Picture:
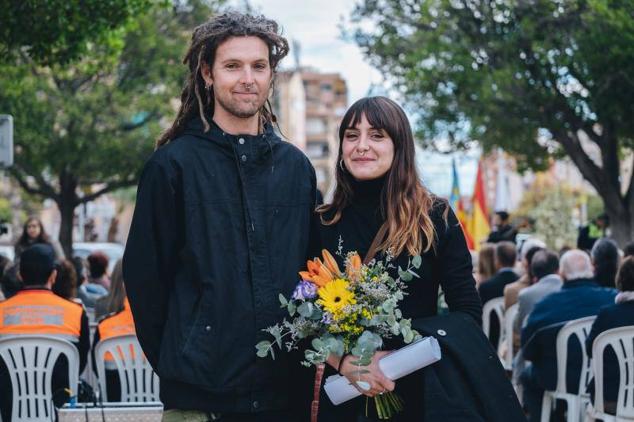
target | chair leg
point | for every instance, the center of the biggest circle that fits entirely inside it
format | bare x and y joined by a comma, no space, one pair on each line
546,407
573,409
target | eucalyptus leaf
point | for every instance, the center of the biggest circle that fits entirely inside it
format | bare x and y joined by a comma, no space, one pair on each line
405,275
417,261
283,300
306,309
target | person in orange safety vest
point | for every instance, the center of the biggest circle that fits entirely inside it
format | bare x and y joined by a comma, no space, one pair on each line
119,322
36,310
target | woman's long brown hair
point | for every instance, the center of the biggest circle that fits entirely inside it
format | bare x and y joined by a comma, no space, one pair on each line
405,203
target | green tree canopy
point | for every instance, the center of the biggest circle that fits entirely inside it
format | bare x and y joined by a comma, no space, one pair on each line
85,129
58,31
537,78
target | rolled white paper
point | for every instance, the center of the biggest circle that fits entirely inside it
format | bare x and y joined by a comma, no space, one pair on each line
395,365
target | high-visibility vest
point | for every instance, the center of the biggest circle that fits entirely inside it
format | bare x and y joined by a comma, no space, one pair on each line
40,312
115,325
119,324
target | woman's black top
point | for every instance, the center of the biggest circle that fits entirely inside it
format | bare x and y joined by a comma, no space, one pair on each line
448,264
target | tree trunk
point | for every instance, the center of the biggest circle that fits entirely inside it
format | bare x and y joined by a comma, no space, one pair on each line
621,226
67,204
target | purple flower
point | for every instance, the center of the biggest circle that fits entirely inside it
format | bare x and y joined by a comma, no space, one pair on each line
326,318
304,290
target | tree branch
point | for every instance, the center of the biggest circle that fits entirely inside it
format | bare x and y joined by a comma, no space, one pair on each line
109,188
19,176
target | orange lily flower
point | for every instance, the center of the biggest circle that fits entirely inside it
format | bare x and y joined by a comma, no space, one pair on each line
353,266
330,263
317,273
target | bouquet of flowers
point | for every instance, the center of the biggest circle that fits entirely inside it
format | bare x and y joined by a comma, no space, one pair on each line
346,312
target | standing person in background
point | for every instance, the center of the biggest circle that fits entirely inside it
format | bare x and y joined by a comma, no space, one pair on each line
221,227
595,230
32,233
502,230
605,260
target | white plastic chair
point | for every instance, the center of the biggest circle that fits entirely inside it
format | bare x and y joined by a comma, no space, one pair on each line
622,342
494,305
575,402
30,361
507,334
138,381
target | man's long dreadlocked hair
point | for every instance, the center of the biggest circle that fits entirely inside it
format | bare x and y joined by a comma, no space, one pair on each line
195,98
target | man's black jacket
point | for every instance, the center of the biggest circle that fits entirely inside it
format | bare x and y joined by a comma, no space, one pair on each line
221,228
468,384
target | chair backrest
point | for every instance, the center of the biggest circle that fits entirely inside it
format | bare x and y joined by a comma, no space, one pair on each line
509,318
579,328
138,381
622,342
30,361
494,305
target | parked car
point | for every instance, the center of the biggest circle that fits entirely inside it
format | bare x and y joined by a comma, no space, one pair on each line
114,251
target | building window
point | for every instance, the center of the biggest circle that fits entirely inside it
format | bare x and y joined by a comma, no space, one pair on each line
315,126
317,149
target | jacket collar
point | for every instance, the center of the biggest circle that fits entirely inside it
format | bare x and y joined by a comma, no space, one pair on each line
579,282
550,278
215,133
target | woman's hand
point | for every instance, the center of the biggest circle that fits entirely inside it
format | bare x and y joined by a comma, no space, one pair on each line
371,374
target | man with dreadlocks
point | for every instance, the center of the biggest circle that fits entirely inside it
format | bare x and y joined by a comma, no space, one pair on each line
222,225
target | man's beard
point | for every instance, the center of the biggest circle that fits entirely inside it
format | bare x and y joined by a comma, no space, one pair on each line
244,112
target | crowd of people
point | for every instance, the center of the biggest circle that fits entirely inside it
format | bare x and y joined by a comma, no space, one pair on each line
43,293
551,288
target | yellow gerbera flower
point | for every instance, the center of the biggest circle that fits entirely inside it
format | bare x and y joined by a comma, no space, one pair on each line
335,295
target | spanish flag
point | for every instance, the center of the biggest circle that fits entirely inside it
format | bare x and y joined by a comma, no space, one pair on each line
456,204
478,225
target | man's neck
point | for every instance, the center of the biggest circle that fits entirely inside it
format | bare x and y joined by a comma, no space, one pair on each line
235,125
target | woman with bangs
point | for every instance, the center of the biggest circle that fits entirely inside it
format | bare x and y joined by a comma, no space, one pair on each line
380,206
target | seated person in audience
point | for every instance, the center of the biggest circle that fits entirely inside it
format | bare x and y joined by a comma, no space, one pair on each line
66,281
544,269
578,297
98,266
512,290
605,259
486,263
36,310
87,292
118,321
494,287
628,250
617,315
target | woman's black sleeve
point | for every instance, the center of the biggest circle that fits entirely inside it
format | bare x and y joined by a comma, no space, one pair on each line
456,268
